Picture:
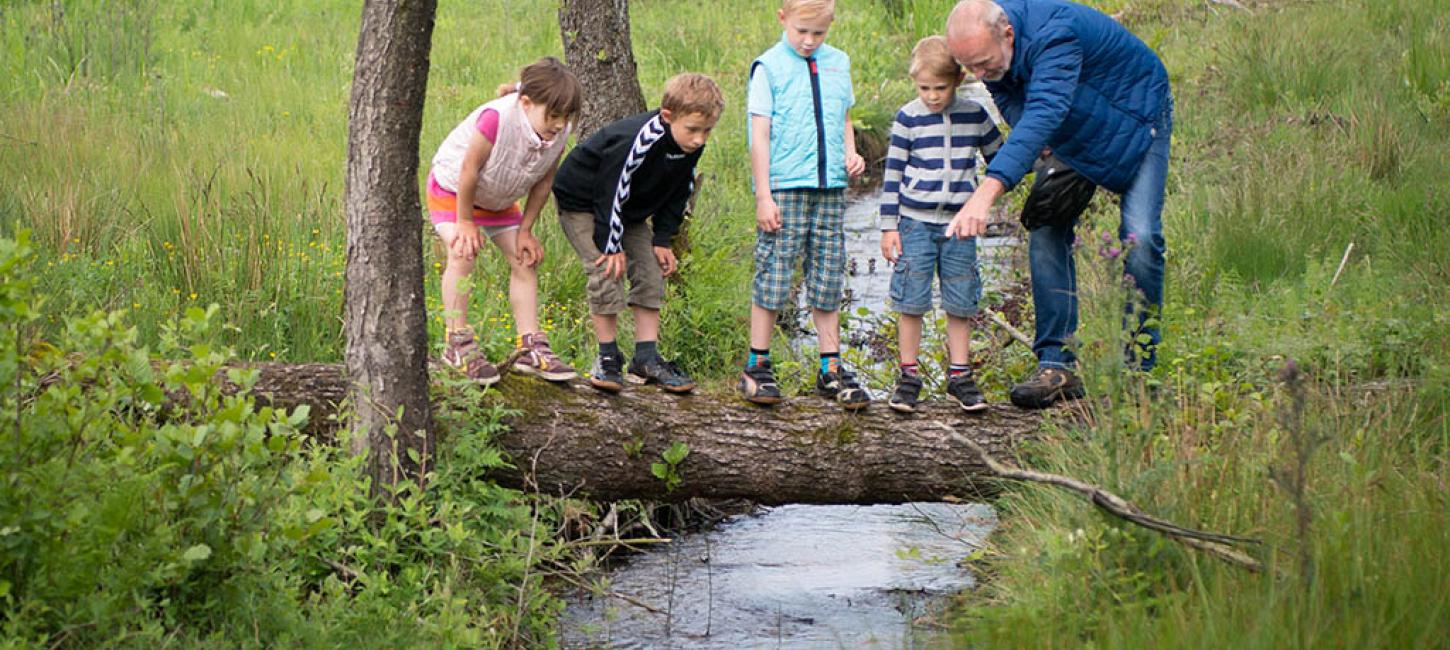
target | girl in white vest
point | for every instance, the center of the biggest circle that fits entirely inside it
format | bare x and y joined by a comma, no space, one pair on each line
503,150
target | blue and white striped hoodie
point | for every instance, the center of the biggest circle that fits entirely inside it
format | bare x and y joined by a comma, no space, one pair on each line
931,165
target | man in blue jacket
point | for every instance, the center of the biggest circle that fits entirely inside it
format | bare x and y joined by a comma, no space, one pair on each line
1069,79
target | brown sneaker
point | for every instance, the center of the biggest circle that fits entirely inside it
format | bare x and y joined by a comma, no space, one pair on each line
540,361
1046,386
462,353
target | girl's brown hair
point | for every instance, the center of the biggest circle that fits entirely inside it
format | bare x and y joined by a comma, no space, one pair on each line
549,82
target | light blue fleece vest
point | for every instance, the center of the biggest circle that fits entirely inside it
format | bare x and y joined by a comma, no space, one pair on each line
808,120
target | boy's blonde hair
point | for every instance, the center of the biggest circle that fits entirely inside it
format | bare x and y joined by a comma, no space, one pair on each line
931,56
808,8
549,82
692,92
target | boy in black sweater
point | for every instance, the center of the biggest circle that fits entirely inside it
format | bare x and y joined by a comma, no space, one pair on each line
621,197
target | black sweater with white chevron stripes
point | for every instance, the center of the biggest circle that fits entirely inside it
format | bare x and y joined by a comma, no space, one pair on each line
588,179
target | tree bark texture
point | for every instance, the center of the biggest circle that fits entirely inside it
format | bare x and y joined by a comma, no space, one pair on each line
571,439
597,48
385,319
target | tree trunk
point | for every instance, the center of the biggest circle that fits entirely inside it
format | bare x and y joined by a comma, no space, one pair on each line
574,440
597,48
385,321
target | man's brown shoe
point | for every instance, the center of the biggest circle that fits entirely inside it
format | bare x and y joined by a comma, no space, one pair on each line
1045,387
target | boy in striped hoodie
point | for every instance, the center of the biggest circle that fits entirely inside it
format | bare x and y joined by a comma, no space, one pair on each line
622,195
931,171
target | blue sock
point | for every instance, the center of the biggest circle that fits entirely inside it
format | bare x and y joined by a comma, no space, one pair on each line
757,356
830,362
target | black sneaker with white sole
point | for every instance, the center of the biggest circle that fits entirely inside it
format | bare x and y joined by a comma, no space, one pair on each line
963,390
908,392
606,375
842,387
757,384
655,370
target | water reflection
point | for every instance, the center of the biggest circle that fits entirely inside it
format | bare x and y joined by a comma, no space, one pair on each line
792,577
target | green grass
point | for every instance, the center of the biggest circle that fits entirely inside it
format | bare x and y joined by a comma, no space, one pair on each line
1287,150
167,156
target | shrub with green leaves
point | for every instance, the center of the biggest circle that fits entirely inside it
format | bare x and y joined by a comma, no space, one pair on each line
139,502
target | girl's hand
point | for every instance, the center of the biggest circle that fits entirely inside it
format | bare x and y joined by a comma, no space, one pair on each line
666,259
529,252
767,214
891,245
467,241
855,164
614,265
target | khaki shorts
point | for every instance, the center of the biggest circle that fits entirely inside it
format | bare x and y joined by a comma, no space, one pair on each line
606,296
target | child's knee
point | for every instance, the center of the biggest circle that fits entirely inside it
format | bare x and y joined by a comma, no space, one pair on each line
460,262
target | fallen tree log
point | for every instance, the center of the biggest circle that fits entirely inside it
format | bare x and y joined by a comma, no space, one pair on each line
571,439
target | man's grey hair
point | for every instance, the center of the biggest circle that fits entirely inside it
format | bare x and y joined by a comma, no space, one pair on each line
968,14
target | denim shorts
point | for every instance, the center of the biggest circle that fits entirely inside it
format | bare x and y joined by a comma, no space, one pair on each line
926,253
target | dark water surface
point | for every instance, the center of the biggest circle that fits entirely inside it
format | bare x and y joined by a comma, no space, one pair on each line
792,577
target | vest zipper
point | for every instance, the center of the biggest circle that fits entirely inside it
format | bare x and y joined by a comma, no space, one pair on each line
820,122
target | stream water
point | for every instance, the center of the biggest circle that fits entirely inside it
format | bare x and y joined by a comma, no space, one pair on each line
801,576
791,577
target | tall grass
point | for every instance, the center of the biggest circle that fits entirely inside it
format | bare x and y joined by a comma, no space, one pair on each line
171,155
1302,128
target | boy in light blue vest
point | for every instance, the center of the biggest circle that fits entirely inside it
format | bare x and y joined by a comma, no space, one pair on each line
802,149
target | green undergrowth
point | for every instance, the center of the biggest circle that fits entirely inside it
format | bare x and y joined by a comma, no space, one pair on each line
1305,219
140,507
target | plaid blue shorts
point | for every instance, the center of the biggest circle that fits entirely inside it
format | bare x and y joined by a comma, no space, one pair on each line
812,226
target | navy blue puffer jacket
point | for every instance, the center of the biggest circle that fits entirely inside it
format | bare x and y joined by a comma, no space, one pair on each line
1082,84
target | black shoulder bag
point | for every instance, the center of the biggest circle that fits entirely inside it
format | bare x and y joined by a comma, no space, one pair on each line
1058,195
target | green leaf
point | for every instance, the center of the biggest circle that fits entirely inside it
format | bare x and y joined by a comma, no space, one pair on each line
197,553
298,417
676,453
660,470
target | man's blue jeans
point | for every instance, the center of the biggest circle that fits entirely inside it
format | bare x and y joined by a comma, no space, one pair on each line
1054,275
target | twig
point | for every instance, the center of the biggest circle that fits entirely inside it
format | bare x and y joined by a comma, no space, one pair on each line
7,136
346,571
1215,544
1015,333
617,542
1342,261
505,366
612,594
1230,3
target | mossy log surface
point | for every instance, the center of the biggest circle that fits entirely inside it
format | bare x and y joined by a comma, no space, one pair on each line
571,439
